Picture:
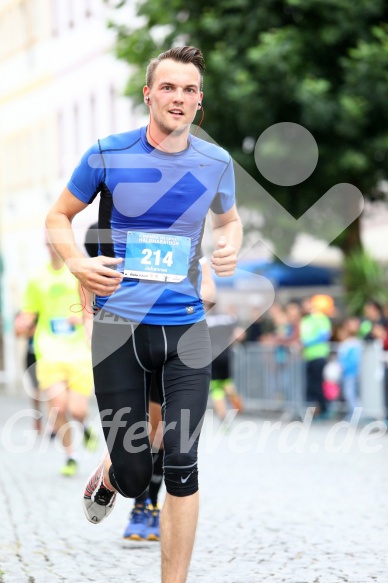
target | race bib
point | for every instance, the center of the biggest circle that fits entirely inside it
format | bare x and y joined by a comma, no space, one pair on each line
61,326
156,257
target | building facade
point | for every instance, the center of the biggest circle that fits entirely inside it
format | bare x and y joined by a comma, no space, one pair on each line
61,89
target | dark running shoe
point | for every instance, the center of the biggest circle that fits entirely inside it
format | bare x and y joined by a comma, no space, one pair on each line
98,499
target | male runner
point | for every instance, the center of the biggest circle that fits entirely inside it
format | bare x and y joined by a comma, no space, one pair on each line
63,367
156,185
144,518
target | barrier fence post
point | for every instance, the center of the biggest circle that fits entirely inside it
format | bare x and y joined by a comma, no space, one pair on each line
372,381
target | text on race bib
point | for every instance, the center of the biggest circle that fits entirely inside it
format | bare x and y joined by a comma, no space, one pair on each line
156,256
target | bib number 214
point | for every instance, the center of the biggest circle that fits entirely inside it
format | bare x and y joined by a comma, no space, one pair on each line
155,258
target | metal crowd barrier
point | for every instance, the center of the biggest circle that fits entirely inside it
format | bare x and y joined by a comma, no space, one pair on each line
269,378
272,379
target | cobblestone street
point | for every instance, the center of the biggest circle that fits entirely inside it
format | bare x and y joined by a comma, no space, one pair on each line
289,506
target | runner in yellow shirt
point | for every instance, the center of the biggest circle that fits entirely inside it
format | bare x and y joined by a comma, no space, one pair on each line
62,347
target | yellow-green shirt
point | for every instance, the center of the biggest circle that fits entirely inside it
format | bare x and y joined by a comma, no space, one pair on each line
315,332
53,296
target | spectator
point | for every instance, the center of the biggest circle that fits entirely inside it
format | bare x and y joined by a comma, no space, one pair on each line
293,313
374,327
349,357
373,324
254,331
315,334
285,338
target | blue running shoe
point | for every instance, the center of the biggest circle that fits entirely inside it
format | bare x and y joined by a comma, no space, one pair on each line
138,522
153,528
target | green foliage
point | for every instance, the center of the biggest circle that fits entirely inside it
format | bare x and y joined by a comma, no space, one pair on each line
364,278
319,63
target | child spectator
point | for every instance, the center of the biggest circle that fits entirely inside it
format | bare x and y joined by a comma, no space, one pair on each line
349,357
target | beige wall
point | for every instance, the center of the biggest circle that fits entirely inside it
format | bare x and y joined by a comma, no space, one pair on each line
61,89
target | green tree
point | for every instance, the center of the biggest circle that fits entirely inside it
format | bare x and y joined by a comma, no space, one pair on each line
364,279
319,63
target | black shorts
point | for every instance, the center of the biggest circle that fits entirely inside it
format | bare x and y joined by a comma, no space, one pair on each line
126,356
221,366
31,368
154,390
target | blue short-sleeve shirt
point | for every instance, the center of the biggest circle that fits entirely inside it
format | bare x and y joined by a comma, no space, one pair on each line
144,189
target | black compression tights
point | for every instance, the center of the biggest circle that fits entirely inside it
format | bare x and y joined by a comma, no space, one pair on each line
123,358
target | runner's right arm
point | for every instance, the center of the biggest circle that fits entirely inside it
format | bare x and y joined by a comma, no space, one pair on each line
93,273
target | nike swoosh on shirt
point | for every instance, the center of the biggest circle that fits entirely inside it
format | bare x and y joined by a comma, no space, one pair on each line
187,184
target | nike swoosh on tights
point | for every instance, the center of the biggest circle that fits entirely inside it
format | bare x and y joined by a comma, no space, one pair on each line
184,480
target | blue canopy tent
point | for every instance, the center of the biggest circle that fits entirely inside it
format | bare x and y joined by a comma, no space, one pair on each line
279,274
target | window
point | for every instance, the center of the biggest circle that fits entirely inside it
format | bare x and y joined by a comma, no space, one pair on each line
88,9
76,127
70,5
93,120
61,141
54,17
113,105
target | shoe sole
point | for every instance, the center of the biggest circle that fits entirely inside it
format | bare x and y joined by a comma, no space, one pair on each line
96,514
153,537
69,474
86,507
137,538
